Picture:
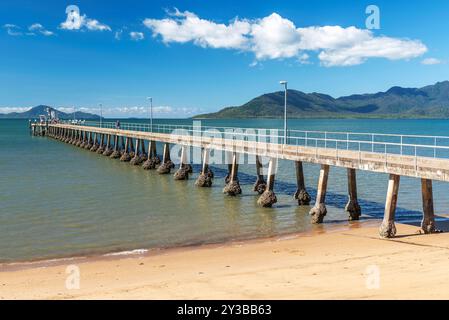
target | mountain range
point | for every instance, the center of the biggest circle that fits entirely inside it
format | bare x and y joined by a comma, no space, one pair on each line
427,102
35,112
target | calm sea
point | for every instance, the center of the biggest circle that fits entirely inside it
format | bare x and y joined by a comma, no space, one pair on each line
57,200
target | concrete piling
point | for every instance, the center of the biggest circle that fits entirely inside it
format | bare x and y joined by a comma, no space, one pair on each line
95,144
82,141
387,228
352,207
301,193
108,150
319,211
132,150
268,197
137,159
143,154
153,160
89,141
184,168
260,185
116,153
101,146
428,221
167,164
204,180
126,157
232,188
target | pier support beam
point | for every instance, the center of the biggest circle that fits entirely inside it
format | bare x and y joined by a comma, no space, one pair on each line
260,185
95,144
137,160
132,150
89,142
143,154
82,141
428,221
204,180
167,164
77,138
268,197
101,146
153,160
387,228
232,188
116,153
301,193
352,207
126,157
108,150
184,168
319,211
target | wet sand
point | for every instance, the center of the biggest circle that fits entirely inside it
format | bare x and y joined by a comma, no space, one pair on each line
345,263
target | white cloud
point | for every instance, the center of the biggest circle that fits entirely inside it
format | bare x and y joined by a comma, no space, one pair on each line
13,30
95,25
37,27
274,37
76,21
186,26
127,111
13,109
431,61
136,36
380,47
304,59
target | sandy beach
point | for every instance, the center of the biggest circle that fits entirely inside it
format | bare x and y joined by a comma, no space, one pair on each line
345,263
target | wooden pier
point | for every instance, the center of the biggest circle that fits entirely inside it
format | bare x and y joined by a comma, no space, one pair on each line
128,144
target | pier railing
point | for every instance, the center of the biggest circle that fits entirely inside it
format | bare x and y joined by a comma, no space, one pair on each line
399,144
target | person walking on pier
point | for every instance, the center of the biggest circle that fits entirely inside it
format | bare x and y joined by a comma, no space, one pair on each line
117,124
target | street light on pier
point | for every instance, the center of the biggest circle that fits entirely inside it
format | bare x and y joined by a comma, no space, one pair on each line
101,115
151,113
284,83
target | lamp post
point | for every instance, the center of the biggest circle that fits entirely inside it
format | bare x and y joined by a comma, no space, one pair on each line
284,83
101,115
151,113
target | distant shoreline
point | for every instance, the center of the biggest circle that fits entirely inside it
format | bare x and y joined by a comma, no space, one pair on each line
263,118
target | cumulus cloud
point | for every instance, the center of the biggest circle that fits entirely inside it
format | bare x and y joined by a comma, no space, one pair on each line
275,37
431,61
136,36
186,26
13,30
128,111
76,21
37,27
13,109
95,25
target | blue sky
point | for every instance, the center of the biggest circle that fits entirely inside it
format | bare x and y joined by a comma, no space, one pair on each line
200,56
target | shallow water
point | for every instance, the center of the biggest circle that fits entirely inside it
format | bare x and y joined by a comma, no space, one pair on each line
57,200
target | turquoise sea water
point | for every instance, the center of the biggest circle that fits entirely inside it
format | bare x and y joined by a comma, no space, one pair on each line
57,200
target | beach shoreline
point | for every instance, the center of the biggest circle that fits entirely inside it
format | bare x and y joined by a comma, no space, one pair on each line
155,251
350,263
